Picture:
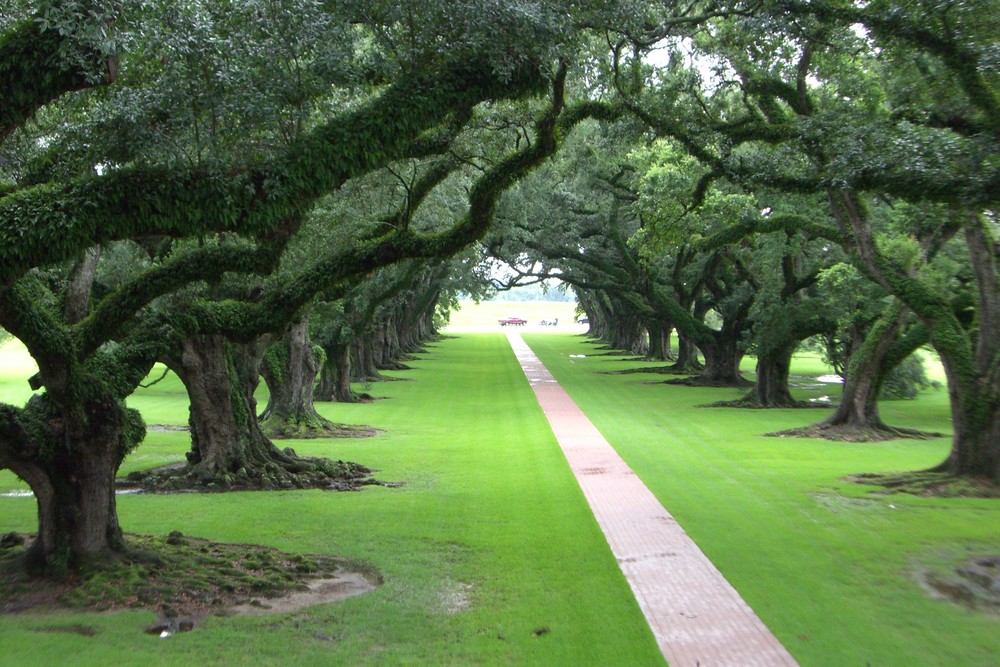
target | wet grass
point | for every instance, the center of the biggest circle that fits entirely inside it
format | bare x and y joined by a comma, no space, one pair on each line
832,568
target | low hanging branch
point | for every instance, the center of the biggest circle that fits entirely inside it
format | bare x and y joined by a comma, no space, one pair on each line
163,375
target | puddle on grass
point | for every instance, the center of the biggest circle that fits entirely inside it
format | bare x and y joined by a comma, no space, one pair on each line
319,591
811,382
29,494
972,581
838,504
455,598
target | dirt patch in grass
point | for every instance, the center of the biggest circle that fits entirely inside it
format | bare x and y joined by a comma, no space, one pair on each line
853,434
974,582
934,484
183,579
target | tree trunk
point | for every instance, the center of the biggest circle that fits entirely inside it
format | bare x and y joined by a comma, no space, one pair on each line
770,389
69,456
722,364
659,342
289,369
975,409
975,448
228,448
687,356
335,376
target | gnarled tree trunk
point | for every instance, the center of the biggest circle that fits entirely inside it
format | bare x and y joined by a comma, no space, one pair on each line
722,364
335,376
659,341
228,447
770,388
69,454
289,368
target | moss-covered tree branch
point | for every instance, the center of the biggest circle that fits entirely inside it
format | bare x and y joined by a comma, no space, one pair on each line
245,320
50,223
34,73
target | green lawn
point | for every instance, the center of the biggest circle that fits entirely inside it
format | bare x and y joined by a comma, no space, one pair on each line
489,551
490,543
828,567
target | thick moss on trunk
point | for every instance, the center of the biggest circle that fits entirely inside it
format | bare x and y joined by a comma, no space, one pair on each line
69,454
229,450
289,368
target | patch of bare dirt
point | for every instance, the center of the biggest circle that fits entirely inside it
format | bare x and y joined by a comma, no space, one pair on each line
183,580
974,584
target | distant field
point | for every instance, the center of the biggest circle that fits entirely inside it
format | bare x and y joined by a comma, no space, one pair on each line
484,316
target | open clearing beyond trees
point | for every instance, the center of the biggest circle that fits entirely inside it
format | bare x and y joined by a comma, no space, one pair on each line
488,551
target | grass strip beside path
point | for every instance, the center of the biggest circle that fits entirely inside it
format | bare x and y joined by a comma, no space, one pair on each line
489,552
830,569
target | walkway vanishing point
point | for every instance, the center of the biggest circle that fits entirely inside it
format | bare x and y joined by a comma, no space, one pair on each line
697,617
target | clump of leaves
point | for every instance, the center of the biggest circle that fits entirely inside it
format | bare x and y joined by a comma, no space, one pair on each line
907,380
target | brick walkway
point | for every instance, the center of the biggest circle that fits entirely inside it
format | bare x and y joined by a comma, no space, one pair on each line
698,618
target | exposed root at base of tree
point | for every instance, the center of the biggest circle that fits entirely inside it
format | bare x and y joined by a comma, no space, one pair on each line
278,428
378,377
699,381
390,366
928,483
753,404
181,579
657,370
289,472
844,433
688,369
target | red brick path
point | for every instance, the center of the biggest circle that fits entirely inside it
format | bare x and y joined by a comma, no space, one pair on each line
698,618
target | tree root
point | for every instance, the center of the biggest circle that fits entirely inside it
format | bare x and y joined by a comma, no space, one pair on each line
751,403
701,381
289,471
929,483
851,433
279,428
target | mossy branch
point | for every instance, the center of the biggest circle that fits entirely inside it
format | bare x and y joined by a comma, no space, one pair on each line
115,311
786,222
245,320
33,72
50,223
